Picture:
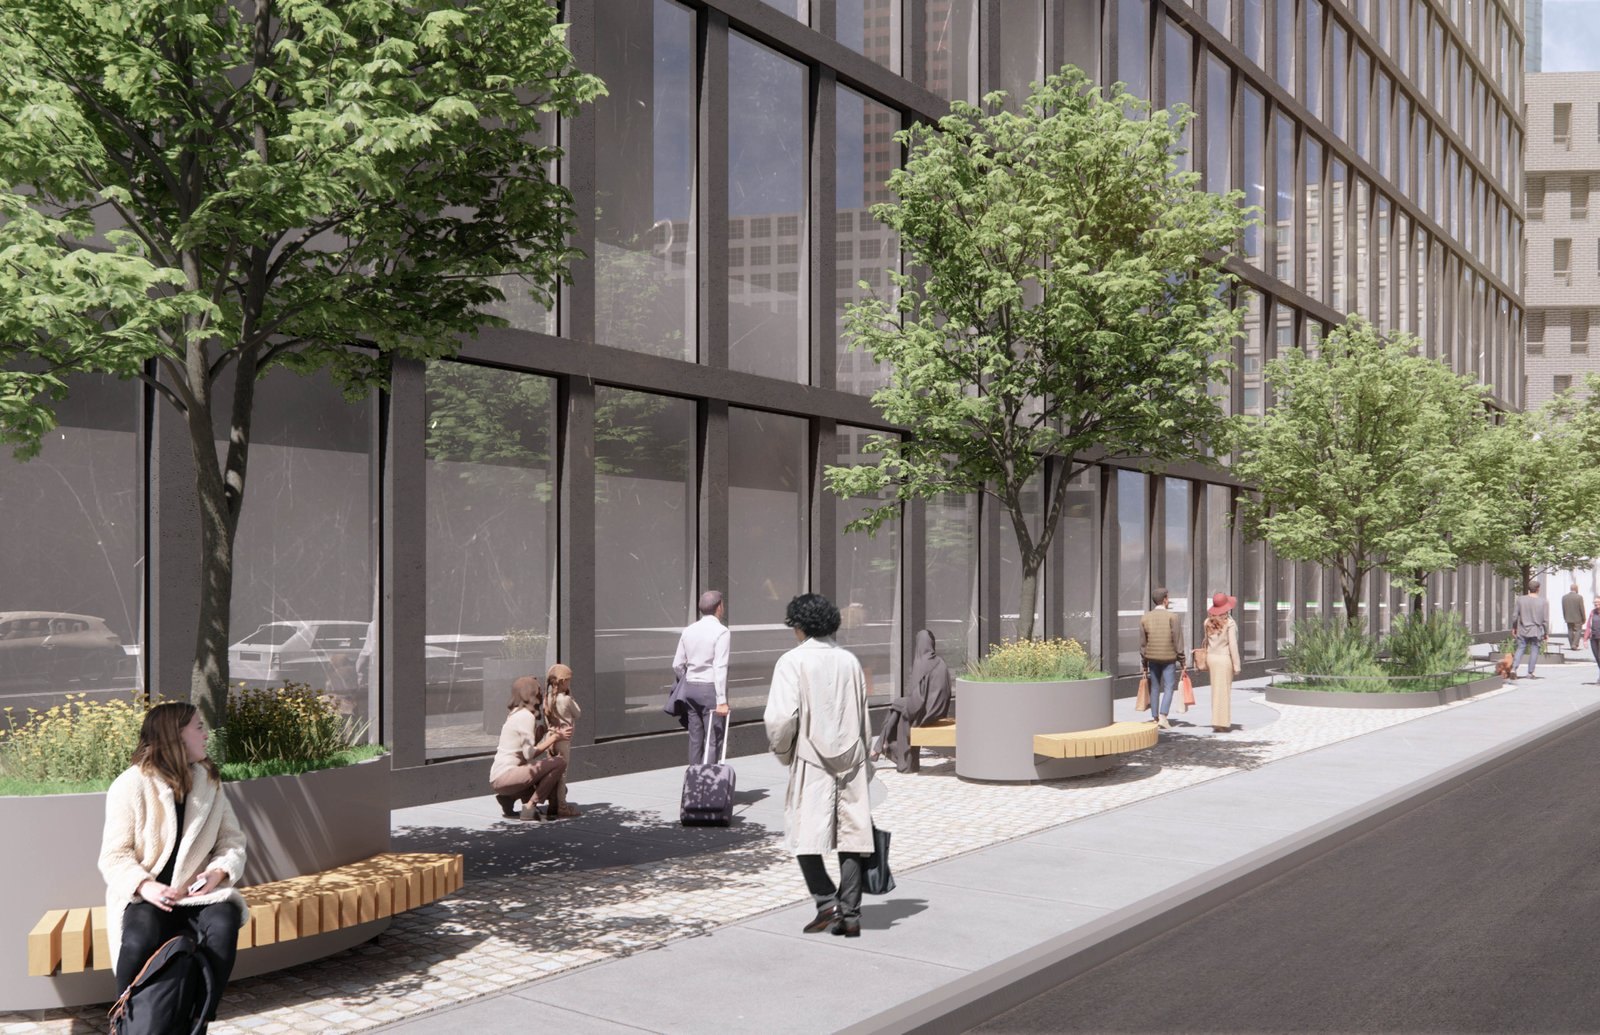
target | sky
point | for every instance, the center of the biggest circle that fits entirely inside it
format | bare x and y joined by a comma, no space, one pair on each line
1571,36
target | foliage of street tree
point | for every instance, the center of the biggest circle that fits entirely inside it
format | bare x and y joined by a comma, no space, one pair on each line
196,192
1067,305
1364,460
1535,475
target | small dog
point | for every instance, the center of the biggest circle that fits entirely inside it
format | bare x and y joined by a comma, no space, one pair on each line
1504,667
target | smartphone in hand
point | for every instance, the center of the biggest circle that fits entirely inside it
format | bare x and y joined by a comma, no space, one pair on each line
199,882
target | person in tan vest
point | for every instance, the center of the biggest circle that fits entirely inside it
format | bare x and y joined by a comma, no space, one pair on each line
1161,648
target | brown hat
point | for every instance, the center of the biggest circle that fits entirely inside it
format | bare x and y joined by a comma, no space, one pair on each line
1221,604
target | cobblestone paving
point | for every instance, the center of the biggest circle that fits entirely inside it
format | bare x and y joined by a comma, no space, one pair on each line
502,931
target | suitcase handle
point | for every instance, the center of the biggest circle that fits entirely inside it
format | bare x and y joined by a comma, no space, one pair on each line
727,722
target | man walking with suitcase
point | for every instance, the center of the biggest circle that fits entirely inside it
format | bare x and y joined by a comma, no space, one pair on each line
816,722
702,663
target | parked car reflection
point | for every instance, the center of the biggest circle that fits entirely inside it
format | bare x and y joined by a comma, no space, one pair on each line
56,647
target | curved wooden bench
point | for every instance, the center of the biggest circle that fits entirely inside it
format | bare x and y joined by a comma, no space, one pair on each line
317,903
1115,739
938,734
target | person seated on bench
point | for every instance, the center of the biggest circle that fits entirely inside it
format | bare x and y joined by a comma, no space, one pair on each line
172,852
524,772
926,700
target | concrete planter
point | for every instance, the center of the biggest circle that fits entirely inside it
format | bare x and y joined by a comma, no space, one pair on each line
994,736
1416,699
292,825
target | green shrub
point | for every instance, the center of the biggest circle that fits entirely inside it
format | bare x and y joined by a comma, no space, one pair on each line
1426,644
1335,649
1022,661
293,724
81,743
281,767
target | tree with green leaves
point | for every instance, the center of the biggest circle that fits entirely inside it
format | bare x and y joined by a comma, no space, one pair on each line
1536,475
1068,306
196,192
1361,462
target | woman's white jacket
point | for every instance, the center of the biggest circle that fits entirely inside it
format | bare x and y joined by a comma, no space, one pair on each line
820,731
141,831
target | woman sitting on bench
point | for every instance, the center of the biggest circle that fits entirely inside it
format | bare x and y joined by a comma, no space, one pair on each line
172,852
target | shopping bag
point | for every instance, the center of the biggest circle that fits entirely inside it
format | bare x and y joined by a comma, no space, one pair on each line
1187,700
1142,703
875,876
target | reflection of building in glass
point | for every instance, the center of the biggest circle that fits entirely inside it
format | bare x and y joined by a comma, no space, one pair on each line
1563,292
565,488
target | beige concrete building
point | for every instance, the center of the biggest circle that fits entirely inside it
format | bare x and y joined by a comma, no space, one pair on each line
1562,292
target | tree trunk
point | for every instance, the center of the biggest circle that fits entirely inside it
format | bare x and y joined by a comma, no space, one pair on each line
1527,577
1350,587
1416,597
208,685
1030,595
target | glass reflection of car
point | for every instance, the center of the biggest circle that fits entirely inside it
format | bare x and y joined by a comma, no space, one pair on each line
58,646
328,655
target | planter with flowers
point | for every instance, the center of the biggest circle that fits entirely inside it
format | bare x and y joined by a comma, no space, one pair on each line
1021,689
308,796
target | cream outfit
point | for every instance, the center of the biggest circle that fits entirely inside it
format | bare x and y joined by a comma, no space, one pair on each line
825,809
140,832
1222,663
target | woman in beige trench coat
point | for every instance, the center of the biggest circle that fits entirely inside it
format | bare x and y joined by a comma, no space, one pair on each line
1222,659
816,721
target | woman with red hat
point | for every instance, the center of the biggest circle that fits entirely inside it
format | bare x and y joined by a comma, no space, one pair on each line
1222,659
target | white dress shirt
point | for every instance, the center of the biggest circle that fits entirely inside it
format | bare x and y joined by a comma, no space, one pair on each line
703,655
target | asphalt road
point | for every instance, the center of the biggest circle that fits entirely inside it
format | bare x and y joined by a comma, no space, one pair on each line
1477,912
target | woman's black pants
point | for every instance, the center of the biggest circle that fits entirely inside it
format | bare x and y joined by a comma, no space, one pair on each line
215,928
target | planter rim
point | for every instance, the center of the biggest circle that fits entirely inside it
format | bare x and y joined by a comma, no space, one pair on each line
225,783
1010,682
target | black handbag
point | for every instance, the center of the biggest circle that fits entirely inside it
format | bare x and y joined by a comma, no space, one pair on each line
875,877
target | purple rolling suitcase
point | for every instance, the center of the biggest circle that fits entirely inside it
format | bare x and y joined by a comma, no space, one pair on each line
708,787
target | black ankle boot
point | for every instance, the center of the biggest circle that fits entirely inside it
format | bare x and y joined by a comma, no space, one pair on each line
508,805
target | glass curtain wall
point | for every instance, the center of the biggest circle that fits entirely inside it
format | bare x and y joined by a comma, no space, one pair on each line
767,132
1011,615
1078,543
491,548
948,38
1132,553
865,250
644,259
304,593
72,556
952,576
644,539
867,580
769,508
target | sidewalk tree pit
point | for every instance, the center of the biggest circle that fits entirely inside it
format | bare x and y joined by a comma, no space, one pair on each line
320,187
1055,252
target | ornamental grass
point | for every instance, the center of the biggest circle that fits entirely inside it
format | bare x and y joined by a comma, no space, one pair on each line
1026,661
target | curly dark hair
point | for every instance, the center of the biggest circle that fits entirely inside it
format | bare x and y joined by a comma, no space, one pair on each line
813,614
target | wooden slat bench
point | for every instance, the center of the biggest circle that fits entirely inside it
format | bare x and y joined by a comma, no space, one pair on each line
1115,739
317,903
938,734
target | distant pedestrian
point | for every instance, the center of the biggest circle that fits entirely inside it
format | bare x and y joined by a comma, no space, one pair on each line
701,663
172,855
1161,648
1222,659
817,725
926,700
1572,614
524,774
1530,625
1591,634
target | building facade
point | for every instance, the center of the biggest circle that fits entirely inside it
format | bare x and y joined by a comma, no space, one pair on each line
566,487
1563,242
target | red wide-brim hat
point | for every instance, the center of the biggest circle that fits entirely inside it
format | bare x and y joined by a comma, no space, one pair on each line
1221,604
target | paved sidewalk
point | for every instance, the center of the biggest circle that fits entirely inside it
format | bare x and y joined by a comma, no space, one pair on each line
986,872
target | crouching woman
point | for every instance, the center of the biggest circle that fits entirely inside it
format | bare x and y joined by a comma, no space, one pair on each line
172,852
